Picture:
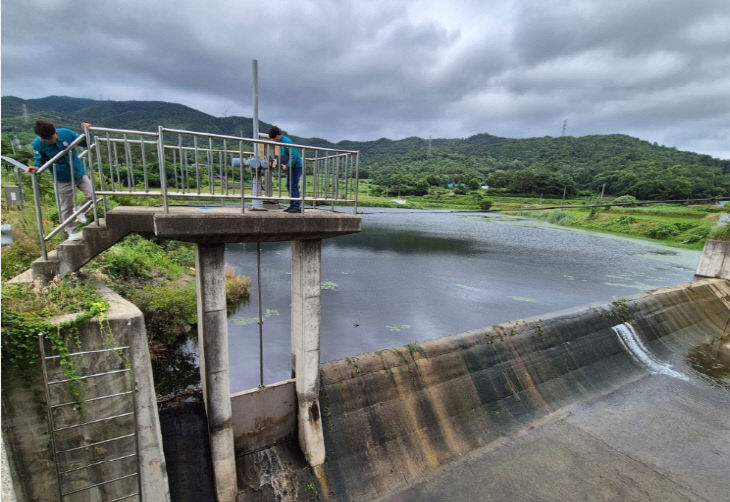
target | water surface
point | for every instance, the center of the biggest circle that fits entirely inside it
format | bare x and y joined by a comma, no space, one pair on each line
412,276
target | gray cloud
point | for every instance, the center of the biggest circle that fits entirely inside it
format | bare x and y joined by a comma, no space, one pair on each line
658,70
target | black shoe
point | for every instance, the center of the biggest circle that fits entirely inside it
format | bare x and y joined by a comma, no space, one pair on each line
292,209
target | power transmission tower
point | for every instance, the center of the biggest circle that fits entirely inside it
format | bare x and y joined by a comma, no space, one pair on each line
565,126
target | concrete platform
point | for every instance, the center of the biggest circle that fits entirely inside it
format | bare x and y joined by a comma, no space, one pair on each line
214,225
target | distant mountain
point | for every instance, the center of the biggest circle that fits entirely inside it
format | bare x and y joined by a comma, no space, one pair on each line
138,115
545,165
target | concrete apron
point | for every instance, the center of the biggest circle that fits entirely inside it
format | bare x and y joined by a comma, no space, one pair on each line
559,408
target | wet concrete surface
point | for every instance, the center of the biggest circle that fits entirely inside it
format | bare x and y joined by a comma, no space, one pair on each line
655,439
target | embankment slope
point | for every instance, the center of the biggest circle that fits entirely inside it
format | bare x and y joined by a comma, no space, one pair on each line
560,408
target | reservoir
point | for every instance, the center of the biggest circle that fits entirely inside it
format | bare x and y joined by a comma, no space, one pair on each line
410,276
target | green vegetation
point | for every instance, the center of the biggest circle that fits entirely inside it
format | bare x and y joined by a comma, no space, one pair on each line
26,312
158,277
680,226
721,233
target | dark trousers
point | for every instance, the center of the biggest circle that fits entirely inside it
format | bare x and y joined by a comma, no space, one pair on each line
292,183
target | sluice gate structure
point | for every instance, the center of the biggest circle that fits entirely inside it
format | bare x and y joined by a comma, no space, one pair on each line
617,401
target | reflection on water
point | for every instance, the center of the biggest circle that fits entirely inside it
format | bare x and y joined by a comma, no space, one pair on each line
412,276
713,359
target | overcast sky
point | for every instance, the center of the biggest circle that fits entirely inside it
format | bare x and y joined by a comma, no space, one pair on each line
655,69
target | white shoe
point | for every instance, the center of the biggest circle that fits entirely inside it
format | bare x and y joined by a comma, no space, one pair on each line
81,218
73,236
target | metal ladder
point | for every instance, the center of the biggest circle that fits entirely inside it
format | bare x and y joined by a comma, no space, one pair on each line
106,472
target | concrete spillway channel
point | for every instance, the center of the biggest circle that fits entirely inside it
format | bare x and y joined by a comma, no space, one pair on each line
604,402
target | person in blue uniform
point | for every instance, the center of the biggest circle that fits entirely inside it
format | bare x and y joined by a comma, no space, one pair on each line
291,161
49,142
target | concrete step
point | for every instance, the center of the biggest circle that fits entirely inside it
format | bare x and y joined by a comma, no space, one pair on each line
70,256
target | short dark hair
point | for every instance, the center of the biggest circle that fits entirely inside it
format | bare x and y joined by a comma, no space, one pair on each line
274,132
44,129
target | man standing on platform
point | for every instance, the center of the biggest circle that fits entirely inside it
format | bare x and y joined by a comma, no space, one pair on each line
291,162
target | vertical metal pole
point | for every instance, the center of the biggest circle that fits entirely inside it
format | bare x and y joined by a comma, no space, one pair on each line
256,171
304,181
90,157
55,192
116,166
38,216
144,165
109,157
197,165
71,166
242,167
183,161
357,181
224,168
101,176
174,169
261,316
210,165
163,176
51,424
128,162
255,70
315,173
20,184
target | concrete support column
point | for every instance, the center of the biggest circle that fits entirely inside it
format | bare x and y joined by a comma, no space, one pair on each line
213,343
305,317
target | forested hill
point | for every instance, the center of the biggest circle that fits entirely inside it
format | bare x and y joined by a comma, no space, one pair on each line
546,165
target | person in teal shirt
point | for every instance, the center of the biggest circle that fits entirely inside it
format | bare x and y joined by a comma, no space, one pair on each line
291,161
49,142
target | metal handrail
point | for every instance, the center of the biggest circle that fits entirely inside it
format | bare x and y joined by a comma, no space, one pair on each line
114,157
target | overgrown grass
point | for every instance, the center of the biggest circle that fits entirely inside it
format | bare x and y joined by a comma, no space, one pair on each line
721,233
686,227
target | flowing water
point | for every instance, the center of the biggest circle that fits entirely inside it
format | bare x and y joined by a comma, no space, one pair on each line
411,276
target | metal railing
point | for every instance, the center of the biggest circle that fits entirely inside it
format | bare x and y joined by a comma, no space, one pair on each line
177,165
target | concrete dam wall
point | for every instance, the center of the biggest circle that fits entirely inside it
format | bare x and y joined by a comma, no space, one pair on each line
399,422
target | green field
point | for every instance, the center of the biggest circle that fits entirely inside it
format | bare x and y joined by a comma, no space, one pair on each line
681,225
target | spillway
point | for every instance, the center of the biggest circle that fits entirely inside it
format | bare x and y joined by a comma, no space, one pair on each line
619,401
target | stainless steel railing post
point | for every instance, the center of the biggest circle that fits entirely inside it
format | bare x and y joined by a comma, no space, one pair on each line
39,216
163,175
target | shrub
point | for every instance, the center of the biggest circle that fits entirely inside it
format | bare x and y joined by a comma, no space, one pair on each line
593,214
237,289
721,233
624,220
624,199
697,234
663,231
486,204
168,310
561,218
